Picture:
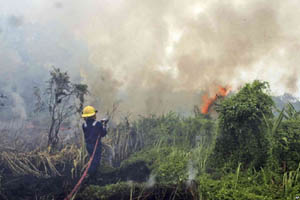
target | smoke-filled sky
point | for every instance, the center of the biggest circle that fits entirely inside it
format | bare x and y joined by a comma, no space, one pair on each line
153,56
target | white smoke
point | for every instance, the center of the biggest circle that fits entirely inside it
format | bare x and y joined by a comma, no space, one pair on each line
154,55
192,172
18,108
151,181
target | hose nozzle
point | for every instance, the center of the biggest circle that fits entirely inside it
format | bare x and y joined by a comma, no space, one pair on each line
104,121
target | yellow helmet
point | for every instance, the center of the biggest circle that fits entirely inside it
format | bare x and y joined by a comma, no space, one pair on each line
88,111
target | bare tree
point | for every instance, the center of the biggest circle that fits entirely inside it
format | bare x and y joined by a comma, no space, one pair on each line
62,97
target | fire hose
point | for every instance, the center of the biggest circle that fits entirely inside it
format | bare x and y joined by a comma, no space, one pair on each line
75,189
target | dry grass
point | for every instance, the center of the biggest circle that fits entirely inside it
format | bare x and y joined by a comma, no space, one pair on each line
39,164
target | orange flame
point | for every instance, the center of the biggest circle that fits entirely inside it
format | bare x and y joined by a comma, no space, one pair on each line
208,102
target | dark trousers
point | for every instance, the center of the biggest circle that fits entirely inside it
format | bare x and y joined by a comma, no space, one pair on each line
96,161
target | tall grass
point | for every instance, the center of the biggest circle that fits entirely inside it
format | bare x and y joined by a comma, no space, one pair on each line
80,161
290,179
265,177
237,173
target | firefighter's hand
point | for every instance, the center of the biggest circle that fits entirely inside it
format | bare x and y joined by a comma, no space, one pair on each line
104,122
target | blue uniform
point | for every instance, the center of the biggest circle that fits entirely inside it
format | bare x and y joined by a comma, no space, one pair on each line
92,129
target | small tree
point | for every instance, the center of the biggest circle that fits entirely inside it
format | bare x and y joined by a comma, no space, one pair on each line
242,135
62,97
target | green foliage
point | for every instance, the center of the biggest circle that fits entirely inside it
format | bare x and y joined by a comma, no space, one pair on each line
291,112
287,145
249,187
199,156
290,182
148,155
169,147
80,161
242,129
160,131
272,128
171,164
131,190
171,129
173,168
111,191
168,164
284,136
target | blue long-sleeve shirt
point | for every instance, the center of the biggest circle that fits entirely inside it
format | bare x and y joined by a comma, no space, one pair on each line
92,129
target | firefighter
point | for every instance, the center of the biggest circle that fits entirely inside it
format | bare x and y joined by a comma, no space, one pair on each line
92,130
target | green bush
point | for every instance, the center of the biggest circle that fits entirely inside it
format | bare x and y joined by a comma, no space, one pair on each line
287,145
227,188
173,168
241,129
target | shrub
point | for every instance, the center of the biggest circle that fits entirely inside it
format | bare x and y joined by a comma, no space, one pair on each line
287,145
241,129
172,169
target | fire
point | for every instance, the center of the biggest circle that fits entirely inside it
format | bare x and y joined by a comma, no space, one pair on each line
208,102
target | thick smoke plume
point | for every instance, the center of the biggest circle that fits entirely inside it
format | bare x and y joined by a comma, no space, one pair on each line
155,56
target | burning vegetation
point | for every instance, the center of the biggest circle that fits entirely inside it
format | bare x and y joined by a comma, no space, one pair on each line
208,102
163,156
144,66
